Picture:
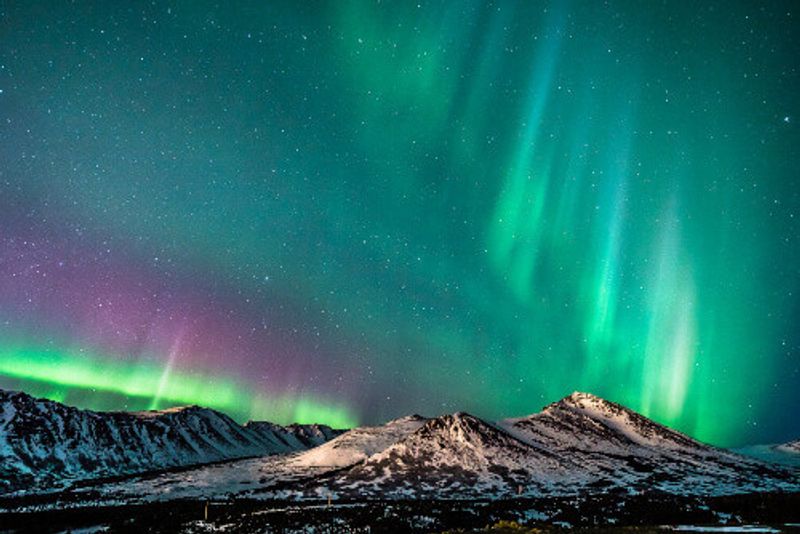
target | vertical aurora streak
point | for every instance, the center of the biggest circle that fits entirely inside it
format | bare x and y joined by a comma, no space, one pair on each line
349,211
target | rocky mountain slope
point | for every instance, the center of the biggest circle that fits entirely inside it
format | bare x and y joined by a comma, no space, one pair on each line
618,448
457,455
294,437
577,445
358,444
45,444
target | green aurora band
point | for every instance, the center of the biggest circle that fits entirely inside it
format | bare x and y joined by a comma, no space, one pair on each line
53,374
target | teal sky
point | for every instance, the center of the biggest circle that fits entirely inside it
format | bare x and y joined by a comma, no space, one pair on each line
350,211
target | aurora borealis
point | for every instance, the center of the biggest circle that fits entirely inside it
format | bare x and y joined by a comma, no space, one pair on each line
346,212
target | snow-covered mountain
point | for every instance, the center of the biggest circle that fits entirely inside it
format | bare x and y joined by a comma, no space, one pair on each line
292,437
45,444
793,447
456,455
579,444
358,444
617,447
297,474
782,453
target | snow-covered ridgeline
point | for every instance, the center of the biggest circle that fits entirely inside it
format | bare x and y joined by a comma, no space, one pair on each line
47,444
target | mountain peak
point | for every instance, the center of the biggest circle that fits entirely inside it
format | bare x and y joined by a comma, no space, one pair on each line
459,427
457,418
620,420
791,447
7,393
22,397
579,398
413,418
590,404
187,409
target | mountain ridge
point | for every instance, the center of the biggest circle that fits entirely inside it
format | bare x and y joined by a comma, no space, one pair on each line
47,444
579,443
791,447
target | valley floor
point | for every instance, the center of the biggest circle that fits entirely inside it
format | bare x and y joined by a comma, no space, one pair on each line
602,513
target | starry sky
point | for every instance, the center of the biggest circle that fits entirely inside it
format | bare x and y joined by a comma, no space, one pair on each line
345,212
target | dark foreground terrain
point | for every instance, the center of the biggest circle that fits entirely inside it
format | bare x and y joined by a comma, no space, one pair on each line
610,512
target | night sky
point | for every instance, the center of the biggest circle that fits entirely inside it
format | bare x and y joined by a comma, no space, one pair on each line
345,212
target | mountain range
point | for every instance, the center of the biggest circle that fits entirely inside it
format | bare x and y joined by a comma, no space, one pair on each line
581,460
581,444
48,445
